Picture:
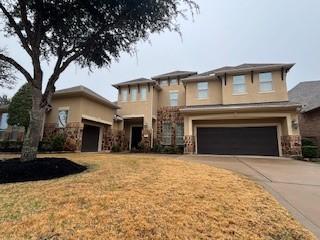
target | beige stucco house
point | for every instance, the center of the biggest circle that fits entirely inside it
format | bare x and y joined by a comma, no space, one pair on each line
241,110
84,117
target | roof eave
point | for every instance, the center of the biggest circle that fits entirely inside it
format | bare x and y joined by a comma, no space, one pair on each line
260,68
233,109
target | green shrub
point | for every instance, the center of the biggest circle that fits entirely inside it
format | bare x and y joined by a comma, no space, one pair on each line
310,151
308,142
115,148
157,148
45,146
10,146
57,142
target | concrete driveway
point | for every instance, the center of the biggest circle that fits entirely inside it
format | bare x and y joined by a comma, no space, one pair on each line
295,184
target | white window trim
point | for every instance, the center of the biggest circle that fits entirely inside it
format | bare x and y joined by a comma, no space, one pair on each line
269,81
177,92
174,84
168,135
198,90
121,95
68,115
140,95
245,84
134,89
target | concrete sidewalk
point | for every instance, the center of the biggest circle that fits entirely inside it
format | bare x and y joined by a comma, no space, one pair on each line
295,184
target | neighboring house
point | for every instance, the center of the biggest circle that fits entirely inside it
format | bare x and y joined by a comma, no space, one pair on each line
84,117
242,110
308,95
9,133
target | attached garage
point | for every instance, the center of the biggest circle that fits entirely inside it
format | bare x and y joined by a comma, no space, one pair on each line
238,140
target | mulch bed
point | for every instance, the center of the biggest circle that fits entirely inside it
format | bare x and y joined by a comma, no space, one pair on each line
13,170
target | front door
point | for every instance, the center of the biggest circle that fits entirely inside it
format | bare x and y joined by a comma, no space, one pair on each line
136,137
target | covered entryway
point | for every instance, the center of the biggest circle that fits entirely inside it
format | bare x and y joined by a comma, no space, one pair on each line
90,138
136,137
238,141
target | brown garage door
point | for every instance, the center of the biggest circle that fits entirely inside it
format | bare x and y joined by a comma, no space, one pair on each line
238,141
90,138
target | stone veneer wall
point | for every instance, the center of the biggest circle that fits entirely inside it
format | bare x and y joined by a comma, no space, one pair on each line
146,140
189,144
291,145
309,124
73,133
168,115
111,138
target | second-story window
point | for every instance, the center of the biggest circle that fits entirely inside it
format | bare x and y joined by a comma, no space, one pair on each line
133,94
173,82
265,80
174,98
163,83
143,93
124,95
239,84
202,90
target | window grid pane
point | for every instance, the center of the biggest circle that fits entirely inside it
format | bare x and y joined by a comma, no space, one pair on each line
203,90
133,94
124,95
174,99
4,121
179,134
173,82
166,134
239,84
265,82
62,118
164,83
143,94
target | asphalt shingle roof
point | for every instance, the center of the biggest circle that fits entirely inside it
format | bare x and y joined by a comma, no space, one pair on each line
85,91
307,94
245,66
175,74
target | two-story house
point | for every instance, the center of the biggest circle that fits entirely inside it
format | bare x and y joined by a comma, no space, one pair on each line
242,110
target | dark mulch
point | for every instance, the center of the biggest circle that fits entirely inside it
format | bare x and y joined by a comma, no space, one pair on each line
13,170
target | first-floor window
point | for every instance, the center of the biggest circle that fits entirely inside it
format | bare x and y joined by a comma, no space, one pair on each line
62,118
174,99
166,133
4,121
179,134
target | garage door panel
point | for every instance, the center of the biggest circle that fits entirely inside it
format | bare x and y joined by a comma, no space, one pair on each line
238,141
90,138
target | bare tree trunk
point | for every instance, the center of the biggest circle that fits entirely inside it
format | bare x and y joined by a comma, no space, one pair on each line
33,134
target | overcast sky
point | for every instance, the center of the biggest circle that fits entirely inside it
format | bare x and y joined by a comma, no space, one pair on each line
226,32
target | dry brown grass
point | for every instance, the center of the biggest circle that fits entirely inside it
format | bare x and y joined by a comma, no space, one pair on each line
143,197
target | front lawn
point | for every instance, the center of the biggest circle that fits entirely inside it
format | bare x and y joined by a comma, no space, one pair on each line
143,197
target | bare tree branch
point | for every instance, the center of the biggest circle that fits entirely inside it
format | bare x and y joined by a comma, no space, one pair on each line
16,29
18,67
